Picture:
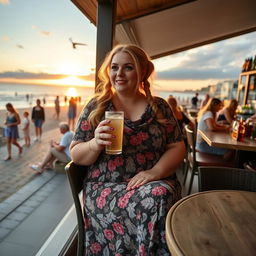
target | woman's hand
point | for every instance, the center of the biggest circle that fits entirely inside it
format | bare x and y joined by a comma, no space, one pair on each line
140,179
102,135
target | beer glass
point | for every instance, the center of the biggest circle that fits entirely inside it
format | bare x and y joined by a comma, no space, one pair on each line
117,122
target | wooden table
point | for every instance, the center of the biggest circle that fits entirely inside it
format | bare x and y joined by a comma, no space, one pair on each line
213,223
223,140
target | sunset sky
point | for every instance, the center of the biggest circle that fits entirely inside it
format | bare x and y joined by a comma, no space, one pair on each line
35,48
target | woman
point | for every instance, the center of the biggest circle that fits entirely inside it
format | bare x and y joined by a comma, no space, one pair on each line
11,130
127,196
38,118
207,121
182,119
72,113
227,114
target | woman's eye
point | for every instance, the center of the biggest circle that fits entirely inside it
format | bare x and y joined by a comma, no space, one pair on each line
129,67
114,68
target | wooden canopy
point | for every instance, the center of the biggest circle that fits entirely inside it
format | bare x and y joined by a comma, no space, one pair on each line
163,27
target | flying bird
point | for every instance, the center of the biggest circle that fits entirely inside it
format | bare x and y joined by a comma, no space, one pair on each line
20,46
74,44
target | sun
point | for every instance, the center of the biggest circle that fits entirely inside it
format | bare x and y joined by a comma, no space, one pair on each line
74,81
72,92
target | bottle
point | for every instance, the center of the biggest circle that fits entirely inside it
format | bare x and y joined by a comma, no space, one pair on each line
241,130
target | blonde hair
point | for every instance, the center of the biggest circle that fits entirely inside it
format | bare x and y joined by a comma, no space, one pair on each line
104,92
210,106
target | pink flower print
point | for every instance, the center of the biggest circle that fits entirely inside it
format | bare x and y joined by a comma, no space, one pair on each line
149,155
142,250
129,194
95,186
87,222
109,234
169,128
142,136
140,158
119,161
85,125
122,202
138,215
105,192
111,247
96,173
100,201
127,130
150,227
118,254
135,140
159,190
95,247
111,165
118,228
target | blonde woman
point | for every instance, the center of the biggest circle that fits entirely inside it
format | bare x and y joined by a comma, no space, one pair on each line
11,130
227,114
127,196
207,121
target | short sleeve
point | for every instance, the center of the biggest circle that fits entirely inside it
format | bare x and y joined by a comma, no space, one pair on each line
207,115
84,131
172,129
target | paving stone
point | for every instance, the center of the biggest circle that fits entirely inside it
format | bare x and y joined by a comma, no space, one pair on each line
4,232
18,216
9,223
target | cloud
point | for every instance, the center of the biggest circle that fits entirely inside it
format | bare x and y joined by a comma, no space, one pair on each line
4,2
222,60
40,31
21,74
5,37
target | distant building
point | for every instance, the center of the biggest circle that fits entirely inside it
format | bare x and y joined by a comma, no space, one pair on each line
228,89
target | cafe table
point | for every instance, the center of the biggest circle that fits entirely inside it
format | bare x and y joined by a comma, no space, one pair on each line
218,222
223,139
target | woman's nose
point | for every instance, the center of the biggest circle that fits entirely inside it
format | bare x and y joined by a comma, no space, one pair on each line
120,71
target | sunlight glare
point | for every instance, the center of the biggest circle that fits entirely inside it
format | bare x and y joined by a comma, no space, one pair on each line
72,92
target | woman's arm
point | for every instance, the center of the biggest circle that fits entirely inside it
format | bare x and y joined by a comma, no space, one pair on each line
164,168
227,115
213,126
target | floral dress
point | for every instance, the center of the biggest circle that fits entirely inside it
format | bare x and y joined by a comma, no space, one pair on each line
121,222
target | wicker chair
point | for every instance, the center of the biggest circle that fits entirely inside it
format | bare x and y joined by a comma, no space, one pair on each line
75,175
218,178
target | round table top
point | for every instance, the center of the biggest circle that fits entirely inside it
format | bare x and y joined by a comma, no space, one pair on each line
213,223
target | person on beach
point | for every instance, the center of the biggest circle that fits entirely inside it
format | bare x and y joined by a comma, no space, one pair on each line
25,128
127,196
38,118
194,101
58,151
11,131
57,107
72,109
205,100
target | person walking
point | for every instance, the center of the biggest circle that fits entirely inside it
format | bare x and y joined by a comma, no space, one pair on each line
57,107
11,131
38,118
72,109
25,128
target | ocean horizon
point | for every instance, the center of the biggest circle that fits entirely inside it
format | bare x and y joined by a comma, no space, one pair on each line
25,95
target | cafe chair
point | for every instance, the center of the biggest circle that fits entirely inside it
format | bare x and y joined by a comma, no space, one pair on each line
219,178
196,159
75,175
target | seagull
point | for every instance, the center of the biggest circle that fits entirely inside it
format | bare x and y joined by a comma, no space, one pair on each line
75,44
20,46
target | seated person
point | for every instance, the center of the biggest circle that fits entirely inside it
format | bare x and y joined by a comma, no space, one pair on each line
207,121
58,151
227,114
127,196
182,119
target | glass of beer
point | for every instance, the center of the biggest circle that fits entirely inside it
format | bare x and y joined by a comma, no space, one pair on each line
117,122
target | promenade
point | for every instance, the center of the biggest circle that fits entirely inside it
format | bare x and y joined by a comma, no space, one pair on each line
27,197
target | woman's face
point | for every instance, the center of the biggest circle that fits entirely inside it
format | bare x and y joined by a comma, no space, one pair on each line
123,75
218,107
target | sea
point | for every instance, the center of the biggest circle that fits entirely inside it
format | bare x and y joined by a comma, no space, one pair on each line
25,95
